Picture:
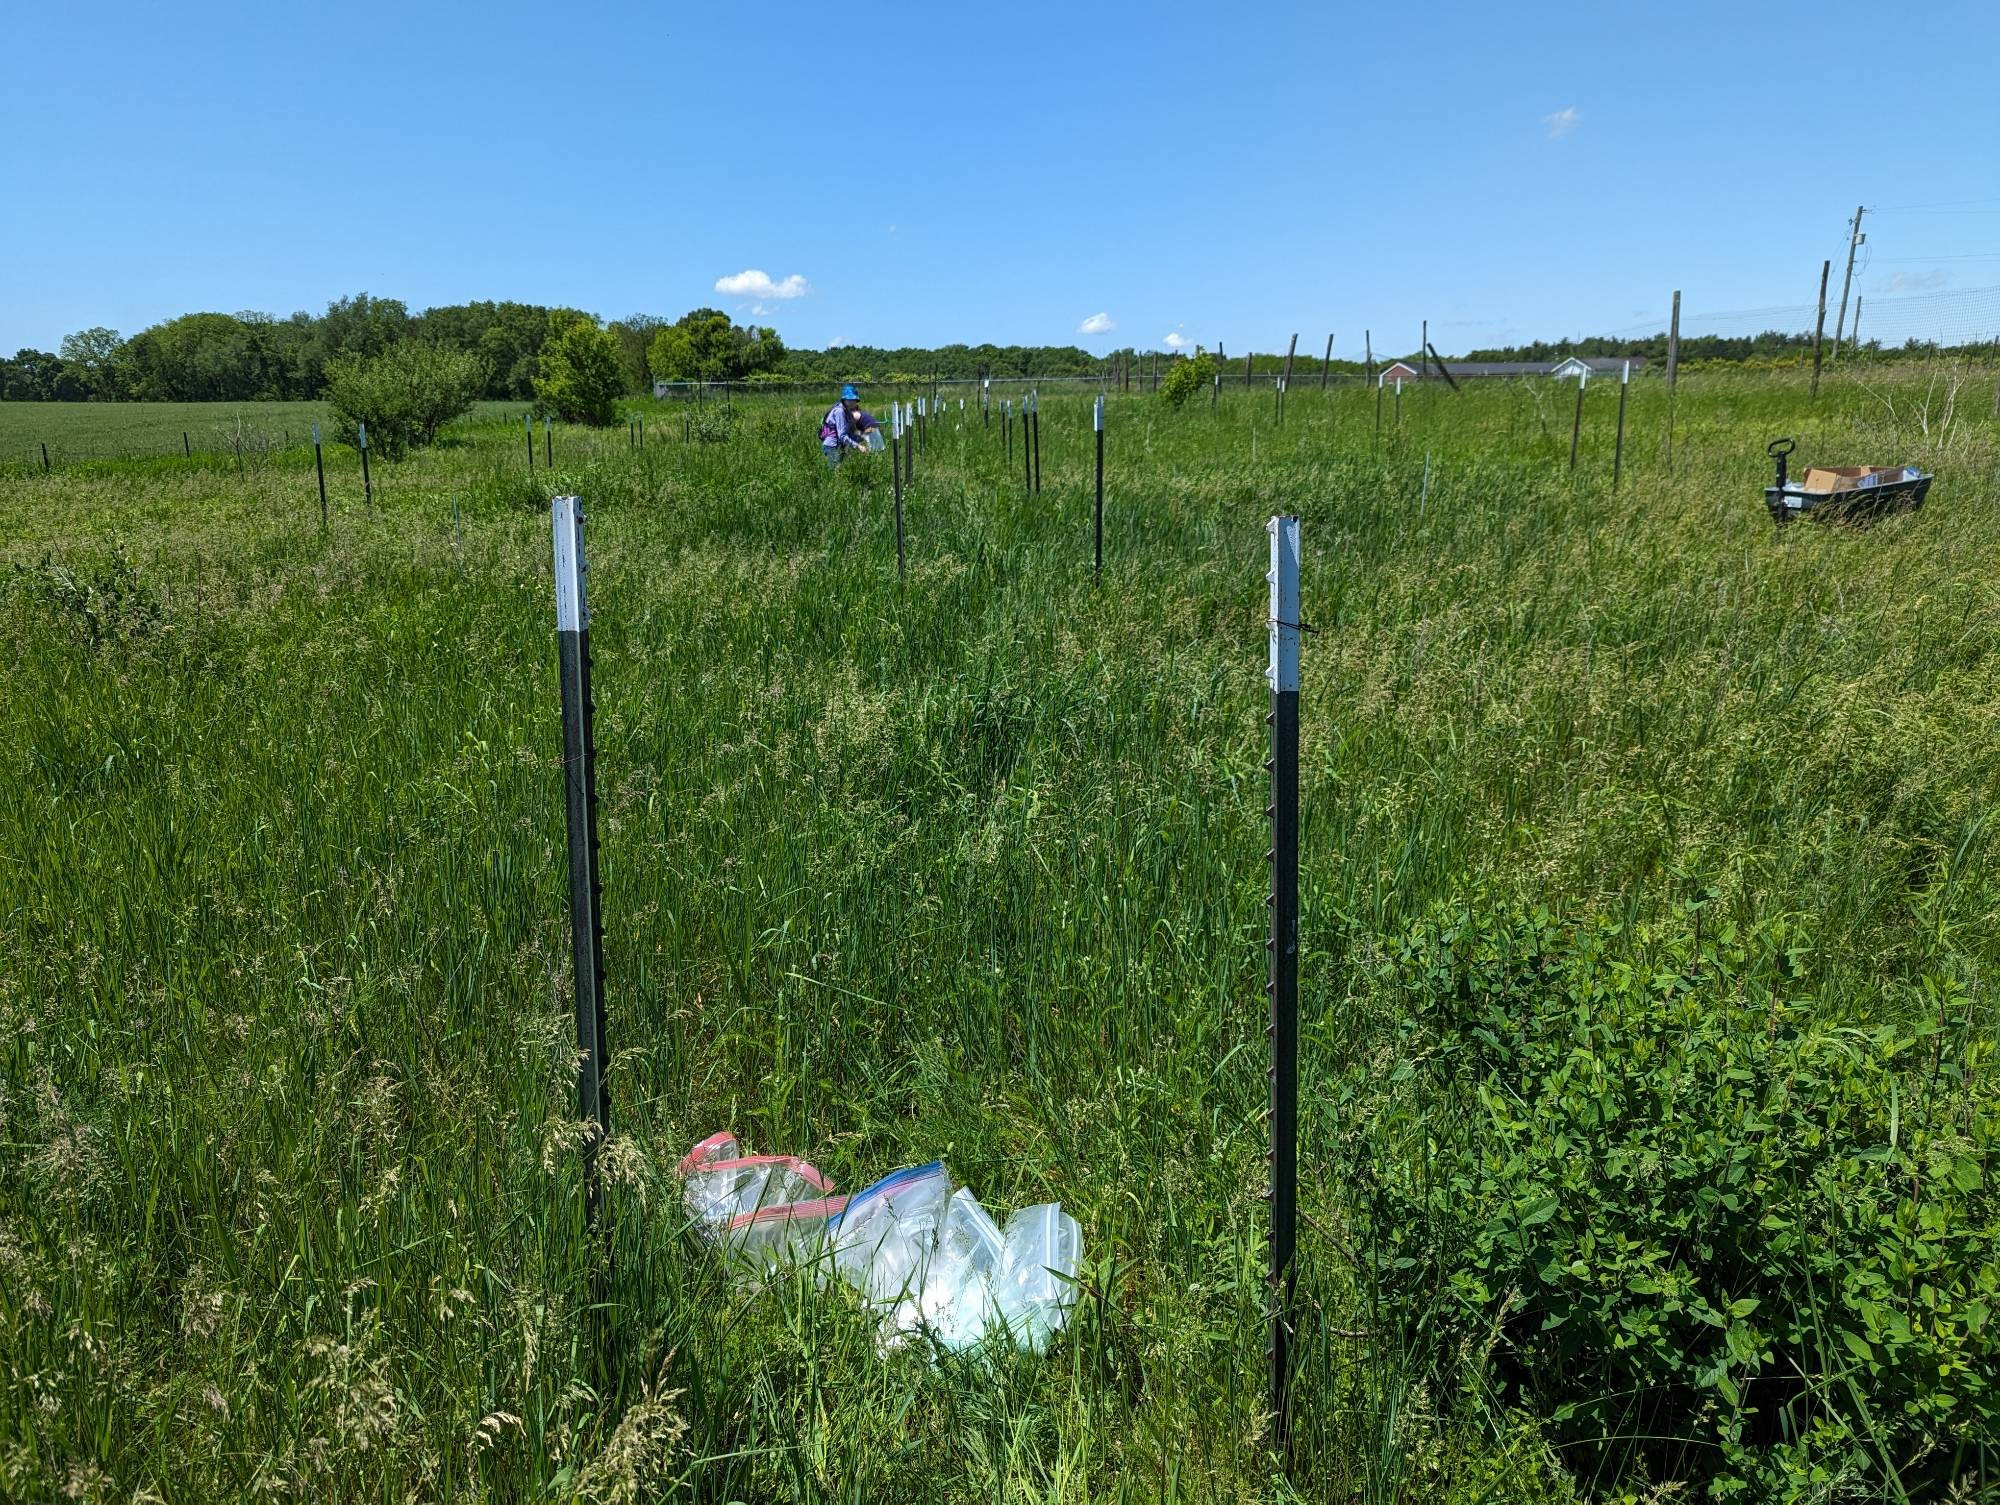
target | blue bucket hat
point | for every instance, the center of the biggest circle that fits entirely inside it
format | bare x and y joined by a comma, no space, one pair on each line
849,394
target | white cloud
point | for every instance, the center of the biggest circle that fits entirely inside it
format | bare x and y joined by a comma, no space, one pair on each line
1175,340
1562,122
1097,324
1911,282
837,343
759,286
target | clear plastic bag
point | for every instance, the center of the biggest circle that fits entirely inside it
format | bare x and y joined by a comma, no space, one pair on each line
721,1146
792,1234
926,1257
719,1190
882,1240
956,1305
1036,1287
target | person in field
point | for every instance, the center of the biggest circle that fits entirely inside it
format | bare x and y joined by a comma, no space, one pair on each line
841,429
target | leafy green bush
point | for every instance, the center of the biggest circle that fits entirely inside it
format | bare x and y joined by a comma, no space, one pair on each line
1185,378
404,395
713,423
1705,1230
94,607
581,379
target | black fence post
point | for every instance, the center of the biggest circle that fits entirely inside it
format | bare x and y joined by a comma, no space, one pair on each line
367,485
586,895
1097,422
549,440
1027,453
1618,454
187,449
1576,423
319,466
1283,946
45,457
528,421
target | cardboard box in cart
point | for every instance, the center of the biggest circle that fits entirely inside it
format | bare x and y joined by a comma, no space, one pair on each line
1853,477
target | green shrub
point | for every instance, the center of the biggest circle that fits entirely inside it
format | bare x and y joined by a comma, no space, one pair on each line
404,395
94,607
581,379
1703,1229
713,423
1185,378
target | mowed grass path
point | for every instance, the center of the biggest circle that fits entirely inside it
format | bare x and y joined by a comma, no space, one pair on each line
965,865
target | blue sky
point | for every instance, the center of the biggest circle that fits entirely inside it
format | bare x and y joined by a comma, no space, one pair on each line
954,172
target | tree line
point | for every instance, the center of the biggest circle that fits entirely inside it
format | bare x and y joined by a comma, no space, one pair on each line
214,357
239,357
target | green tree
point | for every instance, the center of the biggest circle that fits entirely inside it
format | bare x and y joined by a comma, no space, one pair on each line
635,334
194,358
93,355
580,379
404,395
1185,378
362,325
704,346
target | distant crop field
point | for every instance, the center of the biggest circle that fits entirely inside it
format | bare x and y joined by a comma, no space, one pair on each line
1650,923
77,431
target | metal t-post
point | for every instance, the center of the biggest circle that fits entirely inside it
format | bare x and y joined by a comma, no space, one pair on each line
1097,422
1618,453
1283,946
319,465
896,442
1027,452
528,422
586,896
1576,422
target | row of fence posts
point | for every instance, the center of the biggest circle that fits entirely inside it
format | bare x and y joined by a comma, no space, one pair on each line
912,422
586,919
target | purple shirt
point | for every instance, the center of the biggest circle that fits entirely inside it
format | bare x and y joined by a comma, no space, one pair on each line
843,431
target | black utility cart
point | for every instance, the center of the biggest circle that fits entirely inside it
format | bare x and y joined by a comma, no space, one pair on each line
1843,494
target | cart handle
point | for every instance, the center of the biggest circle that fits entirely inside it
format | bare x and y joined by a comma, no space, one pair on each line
1779,447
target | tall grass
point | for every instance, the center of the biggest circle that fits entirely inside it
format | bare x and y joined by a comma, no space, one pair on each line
963,865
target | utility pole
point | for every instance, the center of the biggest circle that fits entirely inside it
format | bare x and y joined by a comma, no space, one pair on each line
1854,240
1819,326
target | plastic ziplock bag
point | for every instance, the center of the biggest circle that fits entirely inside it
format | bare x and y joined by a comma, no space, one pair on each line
882,1240
956,1304
1041,1255
721,1146
719,1190
793,1234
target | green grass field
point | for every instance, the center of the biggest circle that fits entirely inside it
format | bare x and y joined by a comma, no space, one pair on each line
77,433
1650,914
